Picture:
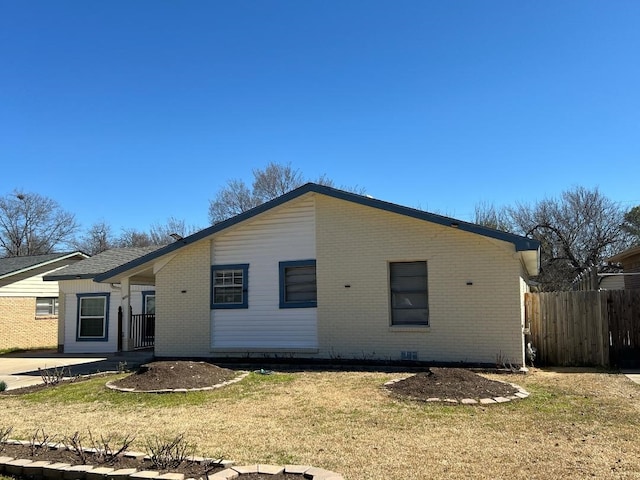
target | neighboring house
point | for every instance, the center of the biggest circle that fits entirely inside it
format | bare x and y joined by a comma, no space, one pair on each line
611,281
89,311
28,305
607,277
630,260
326,274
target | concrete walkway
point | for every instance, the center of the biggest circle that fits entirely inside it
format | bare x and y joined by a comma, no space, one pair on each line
634,375
19,370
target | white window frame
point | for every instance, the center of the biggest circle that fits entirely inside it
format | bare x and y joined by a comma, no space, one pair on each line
51,305
105,318
238,271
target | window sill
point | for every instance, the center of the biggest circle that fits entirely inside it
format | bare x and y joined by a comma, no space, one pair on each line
409,328
46,317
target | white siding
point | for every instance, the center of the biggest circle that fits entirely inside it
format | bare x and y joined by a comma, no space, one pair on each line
283,234
70,289
33,286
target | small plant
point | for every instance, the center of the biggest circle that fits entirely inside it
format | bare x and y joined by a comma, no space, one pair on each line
168,453
74,444
3,385
39,440
53,376
4,436
102,449
107,449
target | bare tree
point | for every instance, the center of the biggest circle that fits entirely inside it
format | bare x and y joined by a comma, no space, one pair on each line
275,180
232,200
97,239
31,224
163,234
131,237
576,231
268,183
488,215
632,224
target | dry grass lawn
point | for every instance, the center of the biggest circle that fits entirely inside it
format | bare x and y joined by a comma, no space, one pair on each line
576,424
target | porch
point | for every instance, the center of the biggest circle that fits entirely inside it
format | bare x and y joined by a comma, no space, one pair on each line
142,330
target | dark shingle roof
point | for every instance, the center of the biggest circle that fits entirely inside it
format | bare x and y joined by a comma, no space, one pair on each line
12,265
521,244
100,263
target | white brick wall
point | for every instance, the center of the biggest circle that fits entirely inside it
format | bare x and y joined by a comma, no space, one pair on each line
183,304
468,323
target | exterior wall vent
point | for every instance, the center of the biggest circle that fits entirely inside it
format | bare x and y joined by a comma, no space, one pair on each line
407,355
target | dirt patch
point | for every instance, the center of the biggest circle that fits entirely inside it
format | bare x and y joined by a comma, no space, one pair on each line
450,383
176,375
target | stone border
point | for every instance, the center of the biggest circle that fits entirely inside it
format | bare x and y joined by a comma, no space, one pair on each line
237,379
519,395
46,470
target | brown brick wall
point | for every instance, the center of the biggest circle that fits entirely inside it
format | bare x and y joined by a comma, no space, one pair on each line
631,265
20,328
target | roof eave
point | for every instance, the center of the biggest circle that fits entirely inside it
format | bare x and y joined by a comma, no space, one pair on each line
44,264
623,255
55,278
520,243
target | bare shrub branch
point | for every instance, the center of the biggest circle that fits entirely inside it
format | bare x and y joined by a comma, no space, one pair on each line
166,453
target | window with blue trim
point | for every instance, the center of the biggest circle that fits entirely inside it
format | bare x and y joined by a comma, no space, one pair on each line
230,286
298,288
409,293
93,317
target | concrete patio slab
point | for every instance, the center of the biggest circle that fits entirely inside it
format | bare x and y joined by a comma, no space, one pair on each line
19,370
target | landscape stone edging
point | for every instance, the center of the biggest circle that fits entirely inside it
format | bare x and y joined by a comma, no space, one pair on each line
519,395
35,469
237,379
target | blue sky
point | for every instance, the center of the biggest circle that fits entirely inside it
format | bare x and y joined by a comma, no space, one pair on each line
132,112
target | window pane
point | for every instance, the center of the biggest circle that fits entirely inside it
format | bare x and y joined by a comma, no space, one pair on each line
409,300
410,317
92,327
227,295
46,306
228,277
92,307
150,304
300,284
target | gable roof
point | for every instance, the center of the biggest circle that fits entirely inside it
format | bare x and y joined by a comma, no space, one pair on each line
16,265
620,257
100,263
521,244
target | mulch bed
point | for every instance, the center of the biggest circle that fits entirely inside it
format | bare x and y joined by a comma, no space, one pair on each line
176,374
190,469
450,383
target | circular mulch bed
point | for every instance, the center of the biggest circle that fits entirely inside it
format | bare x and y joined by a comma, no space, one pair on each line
175,375
450,384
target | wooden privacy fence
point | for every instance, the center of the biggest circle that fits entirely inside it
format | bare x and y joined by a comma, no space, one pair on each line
585,328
